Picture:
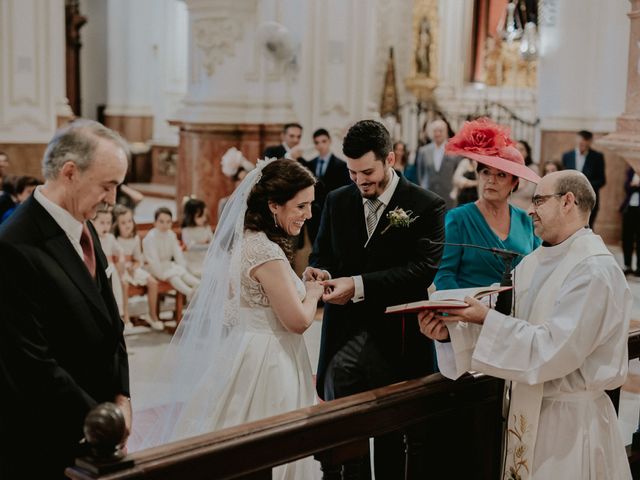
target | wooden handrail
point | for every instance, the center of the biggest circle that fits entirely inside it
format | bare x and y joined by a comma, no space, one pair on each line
257,446
252,449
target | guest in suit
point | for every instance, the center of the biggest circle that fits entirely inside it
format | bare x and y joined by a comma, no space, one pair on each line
357,255
289,148
590,162
630,209
62,349
331,173
434,167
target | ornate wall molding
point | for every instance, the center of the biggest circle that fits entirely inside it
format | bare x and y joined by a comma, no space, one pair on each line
216,39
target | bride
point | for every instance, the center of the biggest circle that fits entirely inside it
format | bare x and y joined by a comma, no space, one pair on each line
239,354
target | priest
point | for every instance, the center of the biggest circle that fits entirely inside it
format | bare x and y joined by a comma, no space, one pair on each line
564,345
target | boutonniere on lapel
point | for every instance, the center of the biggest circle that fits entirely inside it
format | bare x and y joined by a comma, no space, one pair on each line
400,219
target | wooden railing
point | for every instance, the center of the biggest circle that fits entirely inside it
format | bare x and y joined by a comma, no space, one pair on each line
462,417
462,421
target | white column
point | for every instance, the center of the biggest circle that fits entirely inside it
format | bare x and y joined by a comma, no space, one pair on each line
130,57
583,64
170,53
454,44
342,86
230,78
32,69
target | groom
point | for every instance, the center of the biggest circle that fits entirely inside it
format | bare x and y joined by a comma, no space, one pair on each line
368,262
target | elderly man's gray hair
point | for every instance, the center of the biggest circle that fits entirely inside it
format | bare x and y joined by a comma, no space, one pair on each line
77,143
576,183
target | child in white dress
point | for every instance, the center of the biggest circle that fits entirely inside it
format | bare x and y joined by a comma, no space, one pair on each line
102,222
196,234
165,259
124,230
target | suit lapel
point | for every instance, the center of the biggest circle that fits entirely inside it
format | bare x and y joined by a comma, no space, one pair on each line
398,199
356,219
313,165
58,245
587,162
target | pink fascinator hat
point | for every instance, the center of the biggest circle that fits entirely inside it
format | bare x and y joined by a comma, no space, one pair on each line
488,143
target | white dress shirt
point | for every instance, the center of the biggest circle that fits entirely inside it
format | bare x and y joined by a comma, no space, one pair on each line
438,155
634,200
385,198
580,159
71,226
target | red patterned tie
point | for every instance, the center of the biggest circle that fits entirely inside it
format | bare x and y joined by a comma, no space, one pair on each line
86,242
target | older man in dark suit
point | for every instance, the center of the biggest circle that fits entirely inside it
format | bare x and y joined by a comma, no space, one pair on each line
434,168
289,148
590,162
368,262
62,349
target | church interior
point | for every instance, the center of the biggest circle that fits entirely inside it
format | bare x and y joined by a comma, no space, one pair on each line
194,86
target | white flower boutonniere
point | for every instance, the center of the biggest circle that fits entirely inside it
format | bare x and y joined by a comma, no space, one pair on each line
399,218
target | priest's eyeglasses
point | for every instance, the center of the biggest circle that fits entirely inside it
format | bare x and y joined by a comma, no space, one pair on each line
538,200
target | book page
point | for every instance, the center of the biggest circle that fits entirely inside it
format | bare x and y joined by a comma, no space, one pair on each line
476,292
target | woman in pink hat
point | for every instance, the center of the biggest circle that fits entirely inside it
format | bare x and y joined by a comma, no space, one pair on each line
490,221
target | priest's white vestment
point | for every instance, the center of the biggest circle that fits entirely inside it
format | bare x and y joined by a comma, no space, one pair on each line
576,352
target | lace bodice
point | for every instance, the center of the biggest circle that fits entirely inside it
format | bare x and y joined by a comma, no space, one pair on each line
257,250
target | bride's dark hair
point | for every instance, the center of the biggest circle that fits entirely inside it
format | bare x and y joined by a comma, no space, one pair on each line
281,180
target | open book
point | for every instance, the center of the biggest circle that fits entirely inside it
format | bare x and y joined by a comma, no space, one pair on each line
446,299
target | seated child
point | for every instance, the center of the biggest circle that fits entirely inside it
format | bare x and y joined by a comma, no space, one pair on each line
102,222
124,229
165,259
196,234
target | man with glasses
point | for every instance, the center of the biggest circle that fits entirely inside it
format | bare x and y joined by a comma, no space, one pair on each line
565,344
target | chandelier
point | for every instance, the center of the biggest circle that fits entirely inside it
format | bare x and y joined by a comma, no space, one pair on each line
511,30
510,27
529,42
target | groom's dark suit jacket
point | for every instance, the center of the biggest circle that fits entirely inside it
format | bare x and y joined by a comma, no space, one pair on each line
396,267
62,349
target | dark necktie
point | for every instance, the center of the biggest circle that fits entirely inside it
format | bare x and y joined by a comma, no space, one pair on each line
320,167
86,243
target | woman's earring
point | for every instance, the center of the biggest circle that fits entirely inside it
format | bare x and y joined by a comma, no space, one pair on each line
275,219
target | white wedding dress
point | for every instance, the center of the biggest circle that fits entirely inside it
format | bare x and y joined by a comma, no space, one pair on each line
271,374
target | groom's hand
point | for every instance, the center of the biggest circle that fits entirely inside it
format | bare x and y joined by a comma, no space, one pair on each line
311,274
338,291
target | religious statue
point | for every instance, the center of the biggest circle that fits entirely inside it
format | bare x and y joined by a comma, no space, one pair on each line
423,45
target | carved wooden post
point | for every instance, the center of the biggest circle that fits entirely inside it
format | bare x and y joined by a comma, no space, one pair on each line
74,21
104,430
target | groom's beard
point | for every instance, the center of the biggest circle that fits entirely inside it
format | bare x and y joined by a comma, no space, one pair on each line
379,186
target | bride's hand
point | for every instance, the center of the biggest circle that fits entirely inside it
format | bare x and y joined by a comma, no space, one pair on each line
314,289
